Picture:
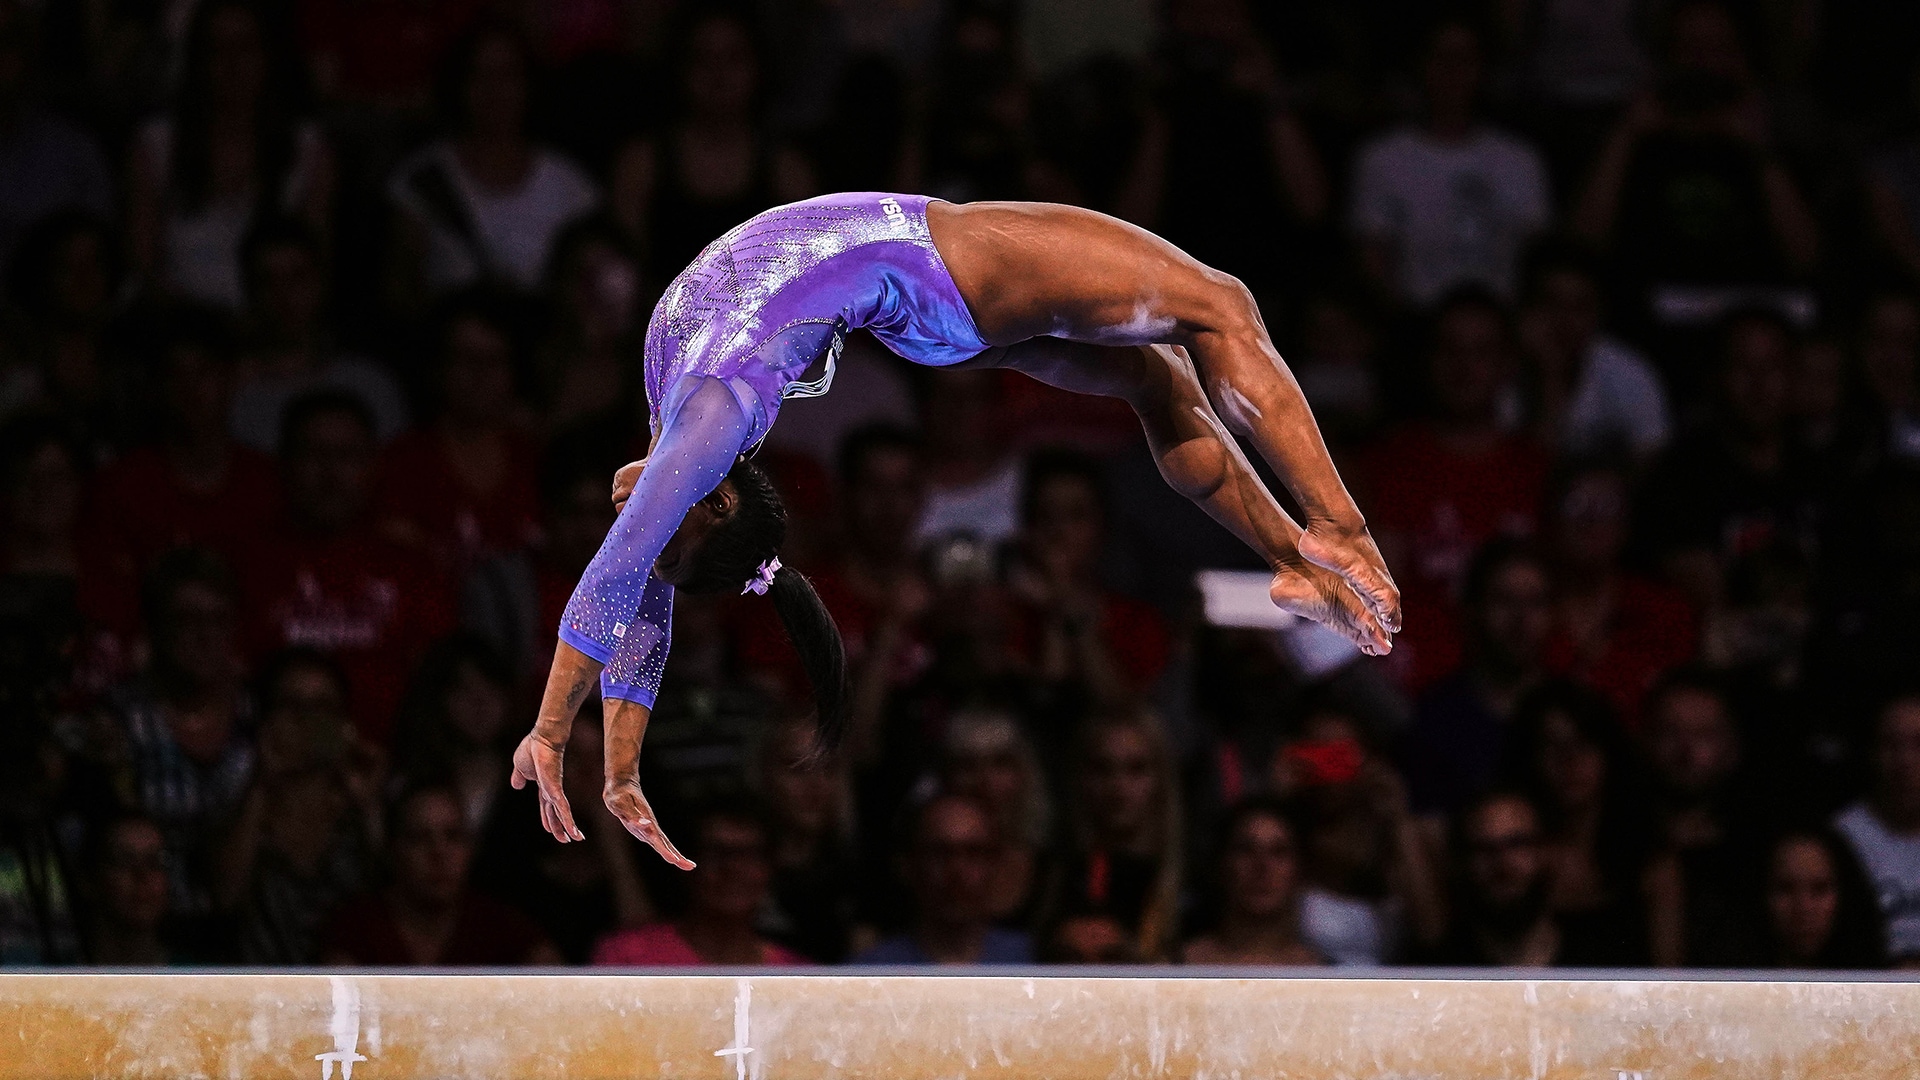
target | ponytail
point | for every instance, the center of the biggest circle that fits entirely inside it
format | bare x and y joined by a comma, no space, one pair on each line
736,555
823,654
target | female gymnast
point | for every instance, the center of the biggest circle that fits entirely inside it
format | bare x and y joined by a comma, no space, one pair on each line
1073,298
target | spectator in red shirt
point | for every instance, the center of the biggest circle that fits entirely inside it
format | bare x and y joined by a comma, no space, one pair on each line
1072,629
427,916
1441,487
323,576
1614,630
463,488
733,869
197,487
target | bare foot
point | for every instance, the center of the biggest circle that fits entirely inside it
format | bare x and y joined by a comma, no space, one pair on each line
1320,595
1352,554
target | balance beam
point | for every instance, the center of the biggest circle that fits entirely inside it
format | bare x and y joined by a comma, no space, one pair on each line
576,1026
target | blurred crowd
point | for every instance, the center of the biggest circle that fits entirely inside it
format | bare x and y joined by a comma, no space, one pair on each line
321,341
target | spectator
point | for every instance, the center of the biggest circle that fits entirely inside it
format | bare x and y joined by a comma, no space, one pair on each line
1688,188
1124,854
1440,488
46,163
712,166
1613,629
1568,754
729,887
483,203
1259,893
1366,883
1704,827
463,488
1338,367
455,726
1814,909
39,563
978,137
1228,134
291,352
196,487
973,485
427,916
576,893
589,364
177,735
1462,723
324,578
233,146
307,833
988,758
1451,201
514,600
948,862
1739,488
1884,827
1594,395
1502,916
1077,633
811,840
1088,939
127,894
38,923
63,278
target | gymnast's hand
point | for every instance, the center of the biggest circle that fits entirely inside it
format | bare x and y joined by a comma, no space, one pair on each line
624,799
1350,552
542,762
624,479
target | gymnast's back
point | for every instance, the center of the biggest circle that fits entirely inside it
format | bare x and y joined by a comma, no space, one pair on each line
779,291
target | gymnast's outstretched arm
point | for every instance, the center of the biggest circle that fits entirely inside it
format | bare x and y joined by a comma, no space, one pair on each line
698,446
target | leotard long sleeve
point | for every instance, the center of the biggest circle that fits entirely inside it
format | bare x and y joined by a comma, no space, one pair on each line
621,613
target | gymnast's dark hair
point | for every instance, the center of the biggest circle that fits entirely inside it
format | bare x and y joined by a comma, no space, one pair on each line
732,555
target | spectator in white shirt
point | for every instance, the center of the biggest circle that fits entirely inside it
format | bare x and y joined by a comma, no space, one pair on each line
1592,394
1451,200
1884,827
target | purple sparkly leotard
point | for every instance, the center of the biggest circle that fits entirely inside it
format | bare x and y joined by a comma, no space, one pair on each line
728,342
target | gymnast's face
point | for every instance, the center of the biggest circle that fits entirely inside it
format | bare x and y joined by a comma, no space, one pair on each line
675,564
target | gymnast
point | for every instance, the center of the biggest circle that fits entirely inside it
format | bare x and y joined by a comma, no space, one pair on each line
1074,298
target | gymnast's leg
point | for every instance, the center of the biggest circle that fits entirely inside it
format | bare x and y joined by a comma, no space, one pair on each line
1199,459
1028,270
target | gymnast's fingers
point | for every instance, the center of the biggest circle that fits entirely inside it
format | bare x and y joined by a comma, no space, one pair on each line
658,840
554,794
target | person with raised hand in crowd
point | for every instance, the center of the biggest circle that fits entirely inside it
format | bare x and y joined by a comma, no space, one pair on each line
483,203
1368,886
1450,201
811,836
462,488
232,147
177,736
1568,753
727,891
1438,488
1461,724
311,827
947,858
288,348
428,914
1614,629
126,893
324,577
196,486
1259,892
1100,647
1884,827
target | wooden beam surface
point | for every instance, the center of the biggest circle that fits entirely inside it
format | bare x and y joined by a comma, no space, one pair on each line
784,1027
